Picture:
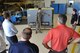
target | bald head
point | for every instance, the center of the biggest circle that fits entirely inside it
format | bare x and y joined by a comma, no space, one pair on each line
27,32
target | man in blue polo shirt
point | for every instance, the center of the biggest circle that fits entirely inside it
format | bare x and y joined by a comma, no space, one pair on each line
24,46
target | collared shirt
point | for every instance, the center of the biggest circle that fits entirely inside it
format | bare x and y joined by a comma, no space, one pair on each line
2,44
60,36
9,28
24,47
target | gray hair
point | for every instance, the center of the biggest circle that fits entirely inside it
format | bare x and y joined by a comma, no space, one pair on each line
62,18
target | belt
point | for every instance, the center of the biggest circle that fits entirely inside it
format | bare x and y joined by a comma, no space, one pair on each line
53,51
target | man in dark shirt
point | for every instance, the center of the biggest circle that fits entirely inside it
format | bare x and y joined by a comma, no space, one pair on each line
24,46
74,19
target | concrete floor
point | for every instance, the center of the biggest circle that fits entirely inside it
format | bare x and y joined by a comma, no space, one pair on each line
37,38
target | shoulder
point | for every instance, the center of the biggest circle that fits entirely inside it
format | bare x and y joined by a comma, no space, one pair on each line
9,24
6,22
53,29
15,45
75,15
69,28
34,45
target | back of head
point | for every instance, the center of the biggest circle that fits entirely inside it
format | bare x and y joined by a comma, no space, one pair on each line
6,15
62,18
27,32
74,10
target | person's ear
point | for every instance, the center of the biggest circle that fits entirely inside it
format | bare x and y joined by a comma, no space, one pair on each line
30,37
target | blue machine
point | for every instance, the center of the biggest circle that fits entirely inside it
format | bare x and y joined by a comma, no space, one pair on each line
16,18
59,8
62,8
13,19
56,8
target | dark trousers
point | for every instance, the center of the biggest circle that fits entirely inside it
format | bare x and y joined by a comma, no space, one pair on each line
64,51
12,39
3,51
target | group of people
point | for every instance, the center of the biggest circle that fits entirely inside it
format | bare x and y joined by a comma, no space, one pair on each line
60,37
23,46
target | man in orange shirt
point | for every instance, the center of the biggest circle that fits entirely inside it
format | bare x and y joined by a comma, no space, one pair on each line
60,36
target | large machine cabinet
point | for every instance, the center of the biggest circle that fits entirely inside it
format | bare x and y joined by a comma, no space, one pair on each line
47,19
59,8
